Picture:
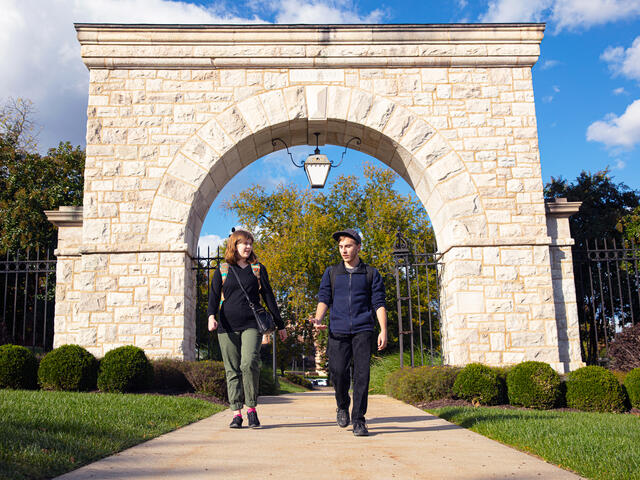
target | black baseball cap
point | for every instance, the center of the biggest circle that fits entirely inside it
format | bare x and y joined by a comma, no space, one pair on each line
348,232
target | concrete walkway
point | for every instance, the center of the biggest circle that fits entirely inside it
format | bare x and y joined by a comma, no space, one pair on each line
300,440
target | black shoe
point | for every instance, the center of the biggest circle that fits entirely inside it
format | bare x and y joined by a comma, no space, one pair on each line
342,417
236,422
253,420
360,429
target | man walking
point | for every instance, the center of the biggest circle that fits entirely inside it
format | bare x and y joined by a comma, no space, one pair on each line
355,293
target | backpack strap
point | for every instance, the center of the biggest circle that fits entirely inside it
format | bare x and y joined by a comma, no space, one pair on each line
224,271
332,277
255,268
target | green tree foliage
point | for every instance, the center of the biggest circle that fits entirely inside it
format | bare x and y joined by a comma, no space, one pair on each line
604,203
31,183
294,228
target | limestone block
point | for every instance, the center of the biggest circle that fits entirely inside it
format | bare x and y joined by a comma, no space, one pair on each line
232,121
433,151
316,75
379,114
147,341
254,113
398,124
274,107
469,302
295,100
106,333
360,106
173,304
92,302
117,299
512,256
445,167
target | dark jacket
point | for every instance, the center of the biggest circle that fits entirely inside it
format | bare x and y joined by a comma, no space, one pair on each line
353,302
235,314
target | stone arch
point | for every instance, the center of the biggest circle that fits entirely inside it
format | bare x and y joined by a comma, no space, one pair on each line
242,133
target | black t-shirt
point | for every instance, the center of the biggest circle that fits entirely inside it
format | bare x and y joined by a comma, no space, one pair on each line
235,314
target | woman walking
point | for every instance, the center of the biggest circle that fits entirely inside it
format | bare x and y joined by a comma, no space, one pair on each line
237,328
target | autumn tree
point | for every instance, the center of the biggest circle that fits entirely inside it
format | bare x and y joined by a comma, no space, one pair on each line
604,203
293,234
31,183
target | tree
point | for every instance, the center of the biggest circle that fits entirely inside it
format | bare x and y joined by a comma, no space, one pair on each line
31,183
607,210
604,203
294,228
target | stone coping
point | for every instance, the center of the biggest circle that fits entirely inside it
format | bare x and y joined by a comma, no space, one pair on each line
66,216
309,46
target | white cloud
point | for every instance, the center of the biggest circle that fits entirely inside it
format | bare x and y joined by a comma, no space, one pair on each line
624,62
618,132
619,91
211,242
41,55
547,64
620,164
501,11
574,14
322,11
564,14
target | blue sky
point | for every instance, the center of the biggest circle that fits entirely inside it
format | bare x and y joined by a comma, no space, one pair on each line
586,82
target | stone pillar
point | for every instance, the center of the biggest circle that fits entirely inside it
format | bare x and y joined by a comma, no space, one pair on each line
497,300
564,292
69,223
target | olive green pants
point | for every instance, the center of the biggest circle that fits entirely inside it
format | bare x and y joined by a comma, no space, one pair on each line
241,357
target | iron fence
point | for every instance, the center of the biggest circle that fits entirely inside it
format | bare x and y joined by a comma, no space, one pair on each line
607,291
204,266
27,289
418,300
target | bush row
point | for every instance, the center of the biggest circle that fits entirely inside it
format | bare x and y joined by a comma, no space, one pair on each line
124,369
528,384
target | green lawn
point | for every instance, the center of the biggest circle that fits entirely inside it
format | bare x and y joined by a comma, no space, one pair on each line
289,387
596,445
43,434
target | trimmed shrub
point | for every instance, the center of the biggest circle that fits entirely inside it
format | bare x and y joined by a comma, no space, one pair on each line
69,368
169,375
125,369
594,389
207,377
421,384
298,380
632,384
533,385
18,367
478,383
624,350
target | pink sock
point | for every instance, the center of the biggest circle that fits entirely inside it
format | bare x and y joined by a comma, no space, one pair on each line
238,415
249,410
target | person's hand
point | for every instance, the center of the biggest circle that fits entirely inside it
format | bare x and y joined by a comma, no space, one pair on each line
317,323
382,341
213,323
282,334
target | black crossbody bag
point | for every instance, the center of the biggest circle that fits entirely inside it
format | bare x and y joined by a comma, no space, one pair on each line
263,317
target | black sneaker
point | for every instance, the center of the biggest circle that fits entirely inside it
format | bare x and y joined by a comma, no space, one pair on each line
253,420
342,417
360,429
236,422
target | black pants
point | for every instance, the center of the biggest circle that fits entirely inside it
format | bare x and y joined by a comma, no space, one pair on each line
342,349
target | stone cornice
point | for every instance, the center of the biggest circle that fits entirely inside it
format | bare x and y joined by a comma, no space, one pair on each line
65,216
561,208
308,46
